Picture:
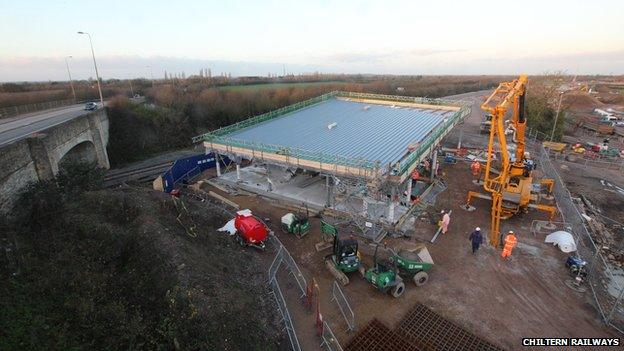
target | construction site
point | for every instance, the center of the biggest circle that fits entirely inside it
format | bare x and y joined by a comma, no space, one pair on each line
312,175
397,223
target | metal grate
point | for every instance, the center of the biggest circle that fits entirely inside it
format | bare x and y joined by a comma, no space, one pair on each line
377,337
433,332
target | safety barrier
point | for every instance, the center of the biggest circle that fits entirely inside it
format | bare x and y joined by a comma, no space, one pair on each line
275,265
281,305
606,290
401,98
11,111
285,257
262,118
429,143
343,305
309,292
296,153
329,340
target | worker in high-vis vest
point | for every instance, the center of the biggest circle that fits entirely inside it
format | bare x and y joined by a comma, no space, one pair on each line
475,167
510,243
445,221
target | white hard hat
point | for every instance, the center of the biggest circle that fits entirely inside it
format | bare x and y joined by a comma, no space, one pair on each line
442,211
478,229
511,232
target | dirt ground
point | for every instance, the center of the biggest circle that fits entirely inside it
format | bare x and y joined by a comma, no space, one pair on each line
502,301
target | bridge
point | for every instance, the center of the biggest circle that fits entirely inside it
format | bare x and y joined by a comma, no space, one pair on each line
34,146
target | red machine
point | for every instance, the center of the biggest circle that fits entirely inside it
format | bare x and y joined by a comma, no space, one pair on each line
249,230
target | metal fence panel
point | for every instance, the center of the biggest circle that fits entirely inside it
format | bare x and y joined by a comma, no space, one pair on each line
294,270
291,265
288,325
343,305
275,265
330,342
607,291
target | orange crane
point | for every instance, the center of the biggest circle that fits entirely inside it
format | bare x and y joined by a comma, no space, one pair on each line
511,188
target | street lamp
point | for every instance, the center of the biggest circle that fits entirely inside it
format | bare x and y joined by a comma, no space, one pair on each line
552,134
97,75
71,82
151,74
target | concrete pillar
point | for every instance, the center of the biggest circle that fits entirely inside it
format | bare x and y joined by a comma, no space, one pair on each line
216,156
329,191
269,182
238,176
392,205
391,212
434,163
461,135
39,155
95,125
408,197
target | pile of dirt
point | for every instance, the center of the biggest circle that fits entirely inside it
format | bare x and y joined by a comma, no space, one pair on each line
602,203
132,269
613,99
581,101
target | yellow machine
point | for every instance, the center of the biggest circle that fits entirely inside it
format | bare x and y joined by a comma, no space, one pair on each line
511,188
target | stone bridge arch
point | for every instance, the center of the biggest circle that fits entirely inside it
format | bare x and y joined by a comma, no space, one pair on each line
37,156
82,151
80,139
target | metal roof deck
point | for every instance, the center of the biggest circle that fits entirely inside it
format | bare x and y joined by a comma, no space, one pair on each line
373,132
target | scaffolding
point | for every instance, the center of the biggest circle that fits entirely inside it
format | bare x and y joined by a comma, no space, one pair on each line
221,141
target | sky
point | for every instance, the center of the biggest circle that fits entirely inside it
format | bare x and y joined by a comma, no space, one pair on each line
140,38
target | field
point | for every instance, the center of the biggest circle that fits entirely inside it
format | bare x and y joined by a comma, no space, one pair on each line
279,85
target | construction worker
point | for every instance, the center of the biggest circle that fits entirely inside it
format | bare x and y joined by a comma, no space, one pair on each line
510,243
445,221
476,239
475,167
415,174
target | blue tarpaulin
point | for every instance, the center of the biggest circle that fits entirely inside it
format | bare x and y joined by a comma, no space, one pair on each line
186,168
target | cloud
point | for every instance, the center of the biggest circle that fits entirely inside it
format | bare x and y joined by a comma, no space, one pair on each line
122,66
384,56
412,61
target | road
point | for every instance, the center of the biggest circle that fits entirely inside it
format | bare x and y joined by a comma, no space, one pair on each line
20,127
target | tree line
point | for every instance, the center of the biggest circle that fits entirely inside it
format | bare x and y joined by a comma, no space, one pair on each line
178,110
